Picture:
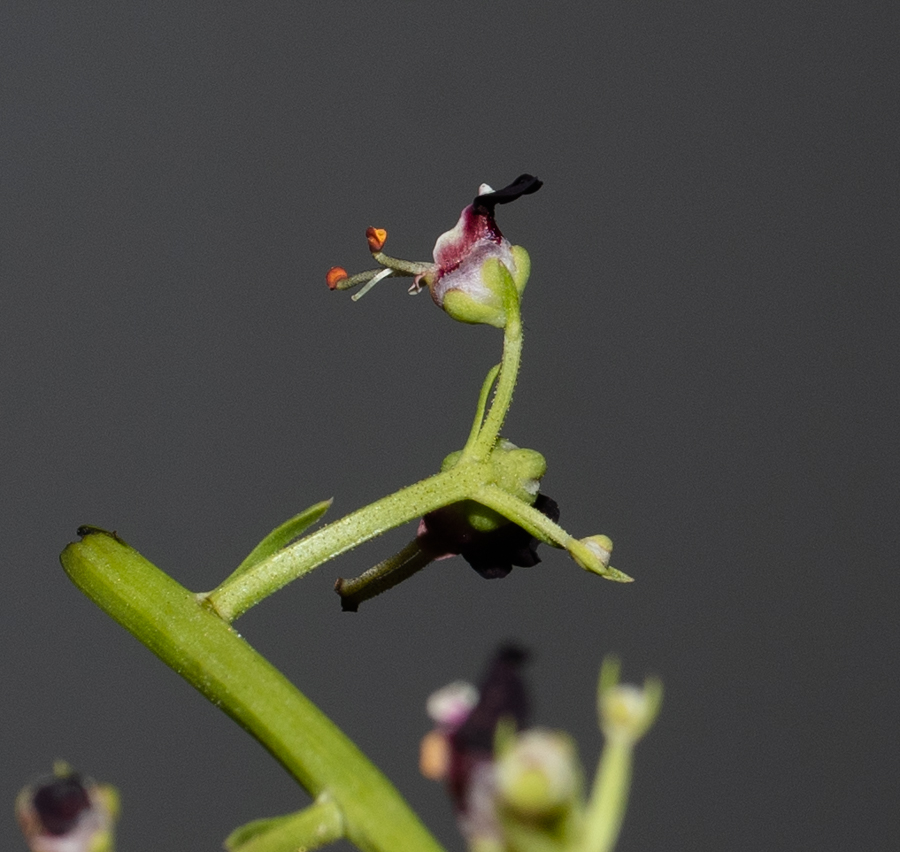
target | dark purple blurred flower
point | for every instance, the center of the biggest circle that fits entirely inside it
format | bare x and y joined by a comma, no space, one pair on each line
461,749
501,694
60,803
67,814
465,734
492,554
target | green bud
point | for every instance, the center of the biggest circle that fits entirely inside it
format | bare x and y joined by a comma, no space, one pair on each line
539,776
626,711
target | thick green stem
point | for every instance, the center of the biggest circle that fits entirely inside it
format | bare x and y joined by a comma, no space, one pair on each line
213,658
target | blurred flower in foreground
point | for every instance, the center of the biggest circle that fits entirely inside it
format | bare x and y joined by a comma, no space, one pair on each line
460,278
465,733
626,711
540,782
520,789
66,813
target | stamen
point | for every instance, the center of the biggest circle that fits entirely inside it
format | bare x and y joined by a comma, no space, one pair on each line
376,238
334,276
337,278
385,273
403,267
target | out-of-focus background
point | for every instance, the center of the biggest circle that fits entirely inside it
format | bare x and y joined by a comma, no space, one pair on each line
710,369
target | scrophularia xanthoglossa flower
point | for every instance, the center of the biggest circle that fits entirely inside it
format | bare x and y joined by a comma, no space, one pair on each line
519,787
459,279
460,750
67,813
477,276
492,553
506,780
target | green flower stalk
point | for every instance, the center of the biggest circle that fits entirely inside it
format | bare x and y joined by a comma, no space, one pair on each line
625,713
477,277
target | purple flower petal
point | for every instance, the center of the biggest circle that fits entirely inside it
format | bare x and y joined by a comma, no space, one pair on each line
492,554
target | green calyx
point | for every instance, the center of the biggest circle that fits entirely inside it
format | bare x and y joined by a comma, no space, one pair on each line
517,471
489,305
465,308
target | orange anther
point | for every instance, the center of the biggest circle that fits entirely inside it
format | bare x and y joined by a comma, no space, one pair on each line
335,275
434,756
376,238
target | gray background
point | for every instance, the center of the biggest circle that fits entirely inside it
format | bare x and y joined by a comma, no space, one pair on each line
710,369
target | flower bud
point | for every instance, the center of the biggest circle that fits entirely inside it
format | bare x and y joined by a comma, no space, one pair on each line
601,546
626,711
539,776
593,554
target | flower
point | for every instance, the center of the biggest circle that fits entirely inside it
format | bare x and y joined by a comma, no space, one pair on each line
66,813
450,531
539,775
492,553
465,278
625,711
467,730
458,283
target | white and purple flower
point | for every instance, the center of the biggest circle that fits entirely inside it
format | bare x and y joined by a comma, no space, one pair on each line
67,813
465,278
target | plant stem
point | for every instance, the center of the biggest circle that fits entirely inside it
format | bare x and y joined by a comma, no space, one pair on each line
523,515
478,422
609,797
480,448
315,826
238,593
213,658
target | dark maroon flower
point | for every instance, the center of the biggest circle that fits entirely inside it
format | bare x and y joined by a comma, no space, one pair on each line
492,554
467,732
502,694
66,813
60,803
